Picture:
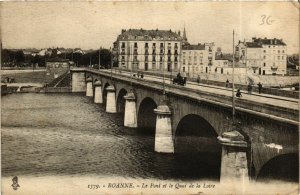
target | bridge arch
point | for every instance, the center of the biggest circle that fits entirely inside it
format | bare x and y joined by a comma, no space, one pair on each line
146,116
196,142
196,129
283,167
121,101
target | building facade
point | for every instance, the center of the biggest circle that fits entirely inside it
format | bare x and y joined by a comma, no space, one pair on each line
197,59
157,50
263,56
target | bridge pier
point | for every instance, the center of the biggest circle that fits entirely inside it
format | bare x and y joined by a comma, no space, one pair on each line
98,99
78,81
163,131
111,100
130,119
89,87
234,166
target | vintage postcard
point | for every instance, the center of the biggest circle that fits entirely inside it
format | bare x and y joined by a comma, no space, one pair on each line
149,97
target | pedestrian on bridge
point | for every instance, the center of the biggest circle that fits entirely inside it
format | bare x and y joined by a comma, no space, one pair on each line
184,77
238,93
198,79
227,83
249,88
259,87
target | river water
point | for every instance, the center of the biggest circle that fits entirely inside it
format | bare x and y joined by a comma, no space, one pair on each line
67,134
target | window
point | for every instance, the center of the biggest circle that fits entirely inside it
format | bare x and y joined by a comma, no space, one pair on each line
169,58
283,57
175,59
161,45
135,44
282,51
264,57
264,64
123,57
146,58
264,51
146,45
154,44
161,58
278,51
183,61
123,44
153,58
278,57
153,51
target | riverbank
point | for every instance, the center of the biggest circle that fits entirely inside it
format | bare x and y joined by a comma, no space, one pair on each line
29,76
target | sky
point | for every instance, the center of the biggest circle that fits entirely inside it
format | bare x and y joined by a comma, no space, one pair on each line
89,25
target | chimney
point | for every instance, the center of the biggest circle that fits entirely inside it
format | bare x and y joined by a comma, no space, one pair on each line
179,32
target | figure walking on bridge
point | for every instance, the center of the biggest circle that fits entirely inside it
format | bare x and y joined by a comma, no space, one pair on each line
227,83
259,87
249,88
198,79
238,93
184,77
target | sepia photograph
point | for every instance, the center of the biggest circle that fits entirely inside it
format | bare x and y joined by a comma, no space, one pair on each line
149,97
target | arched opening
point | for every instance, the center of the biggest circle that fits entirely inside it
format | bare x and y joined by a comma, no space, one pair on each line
284,167
121,101
146,115
198,153
105,93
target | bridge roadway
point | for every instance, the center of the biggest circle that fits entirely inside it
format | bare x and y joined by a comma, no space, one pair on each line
284,102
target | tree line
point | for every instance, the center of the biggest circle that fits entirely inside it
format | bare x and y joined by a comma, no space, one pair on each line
17,58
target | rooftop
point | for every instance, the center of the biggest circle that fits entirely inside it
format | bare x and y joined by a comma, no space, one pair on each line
193,47
253,45
224,56
141,34
57,60
259,42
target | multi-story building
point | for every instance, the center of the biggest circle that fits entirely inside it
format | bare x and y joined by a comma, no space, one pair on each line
263,56
197,59
140,49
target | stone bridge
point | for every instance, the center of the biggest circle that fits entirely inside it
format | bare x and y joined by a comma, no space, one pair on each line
263,140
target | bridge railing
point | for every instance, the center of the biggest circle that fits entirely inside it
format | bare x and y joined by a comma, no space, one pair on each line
242,105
